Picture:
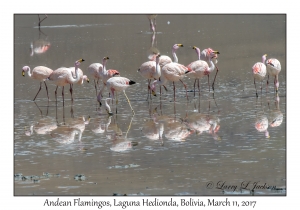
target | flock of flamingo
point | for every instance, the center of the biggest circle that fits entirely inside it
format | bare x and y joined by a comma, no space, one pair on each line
160,68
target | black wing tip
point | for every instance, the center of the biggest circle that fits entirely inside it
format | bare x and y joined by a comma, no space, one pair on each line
131,82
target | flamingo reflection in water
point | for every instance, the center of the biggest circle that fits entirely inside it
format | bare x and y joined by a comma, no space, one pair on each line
42,126
275,116
120,142
261,121
152,20
153,129
65,134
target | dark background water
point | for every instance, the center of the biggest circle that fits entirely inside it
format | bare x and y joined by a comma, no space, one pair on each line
237,153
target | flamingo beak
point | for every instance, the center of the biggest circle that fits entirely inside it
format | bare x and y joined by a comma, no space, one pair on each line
88,81
194,47
153,92
23,73
180,45
216,52
81,60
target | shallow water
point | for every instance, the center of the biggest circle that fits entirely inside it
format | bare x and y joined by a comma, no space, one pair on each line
156,151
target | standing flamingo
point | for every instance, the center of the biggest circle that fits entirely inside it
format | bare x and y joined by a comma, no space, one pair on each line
273,68
81,77
152,20
205,54
171,72
200,68
259,71
63,76
105,75
40,73
118,84
94,70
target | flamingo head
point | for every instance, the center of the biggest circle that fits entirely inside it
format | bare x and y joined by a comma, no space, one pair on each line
84,77
197,50
264,57
25,69
153,87
177,46
78,62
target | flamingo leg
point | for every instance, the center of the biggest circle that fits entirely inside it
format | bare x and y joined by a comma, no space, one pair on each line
185,89
174,90
195,87
95,86
267,82
56,93
128,102
62,93
199,86
255,88
208,83
38,91
46,90
71,91
42,19
213,84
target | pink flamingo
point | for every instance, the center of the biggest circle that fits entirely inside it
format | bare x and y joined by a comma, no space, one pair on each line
117,84
81,77
273,68
105,75
40,73
151,70
259,71
94,70
152,20
205,54
171,72
63,76
200,68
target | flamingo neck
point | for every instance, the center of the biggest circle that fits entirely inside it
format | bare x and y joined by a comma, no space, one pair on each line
198,53
104,71
158,71
175,59
76,79
29,71
211,65
264,59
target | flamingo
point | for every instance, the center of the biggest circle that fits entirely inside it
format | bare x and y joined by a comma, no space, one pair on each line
81,77
273,68
152,20
63,76
105,75
40,73
117,84
94,70
150,70
259,71
276,116
171,72
261,125
200,68
205,56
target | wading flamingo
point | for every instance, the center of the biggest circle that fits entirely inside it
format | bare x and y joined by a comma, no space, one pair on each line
259,71
152,20
150,70
63,76
205,54
200,68
273,68
105,75
94,70
171,72
117,84
40,73
81,77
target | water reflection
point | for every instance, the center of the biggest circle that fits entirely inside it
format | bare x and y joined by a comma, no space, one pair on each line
275,115
41,45
261,121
